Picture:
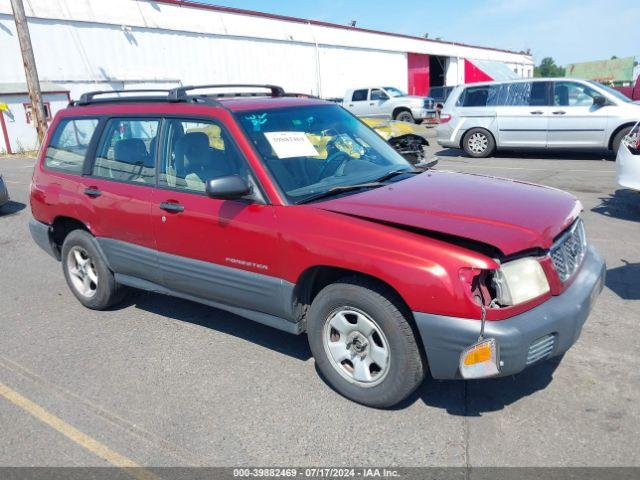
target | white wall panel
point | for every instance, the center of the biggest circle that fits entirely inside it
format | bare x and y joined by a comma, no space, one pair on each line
344,68
92,44
152,14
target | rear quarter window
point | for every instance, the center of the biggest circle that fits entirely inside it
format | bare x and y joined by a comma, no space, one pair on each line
69,144
481,96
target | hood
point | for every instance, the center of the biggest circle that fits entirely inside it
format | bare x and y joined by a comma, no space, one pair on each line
509,215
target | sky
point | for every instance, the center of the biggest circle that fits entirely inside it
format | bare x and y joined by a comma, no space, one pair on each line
570,31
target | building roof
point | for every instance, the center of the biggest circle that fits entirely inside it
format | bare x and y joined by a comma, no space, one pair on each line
241,11
496,70
21,88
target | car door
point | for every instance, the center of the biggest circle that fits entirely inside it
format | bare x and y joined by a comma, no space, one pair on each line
523,114
223,251
117,190
358,104
575,120
378,99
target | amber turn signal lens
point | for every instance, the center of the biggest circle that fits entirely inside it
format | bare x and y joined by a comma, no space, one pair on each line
479,354
481,359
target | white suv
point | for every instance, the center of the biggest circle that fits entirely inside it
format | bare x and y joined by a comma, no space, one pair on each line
565,113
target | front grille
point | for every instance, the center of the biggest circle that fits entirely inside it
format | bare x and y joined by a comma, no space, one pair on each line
569,251
541,348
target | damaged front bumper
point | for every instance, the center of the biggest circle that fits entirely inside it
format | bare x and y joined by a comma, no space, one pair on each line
545,331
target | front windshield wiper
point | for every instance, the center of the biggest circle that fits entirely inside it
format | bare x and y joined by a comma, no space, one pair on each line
394,173
340,189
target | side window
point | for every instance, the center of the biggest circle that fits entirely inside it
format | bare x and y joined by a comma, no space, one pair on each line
377,94
69,144
359,96
482,96
572,94
194,152
523,94
127,150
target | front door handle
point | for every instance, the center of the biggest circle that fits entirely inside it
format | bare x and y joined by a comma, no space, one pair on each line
92,192
559,112
172,207
537,112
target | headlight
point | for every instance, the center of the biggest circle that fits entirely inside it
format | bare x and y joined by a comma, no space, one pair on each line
519,280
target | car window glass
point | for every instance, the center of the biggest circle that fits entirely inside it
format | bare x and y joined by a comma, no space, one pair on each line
311,149
359,96
481,96
572,94
196,151
127,151
377,94
69,144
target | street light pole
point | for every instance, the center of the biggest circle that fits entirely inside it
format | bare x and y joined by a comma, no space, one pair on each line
30,71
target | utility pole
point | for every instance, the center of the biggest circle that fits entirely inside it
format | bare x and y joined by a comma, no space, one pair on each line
30,71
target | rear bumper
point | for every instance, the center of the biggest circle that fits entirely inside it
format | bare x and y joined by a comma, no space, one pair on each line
445,338
41,234
447,136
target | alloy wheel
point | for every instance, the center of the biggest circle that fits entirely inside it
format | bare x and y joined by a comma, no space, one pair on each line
82,272
478,143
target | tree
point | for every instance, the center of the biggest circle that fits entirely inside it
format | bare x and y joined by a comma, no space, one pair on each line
548,68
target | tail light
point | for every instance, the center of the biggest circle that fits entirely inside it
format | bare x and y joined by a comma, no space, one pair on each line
638,142
445,117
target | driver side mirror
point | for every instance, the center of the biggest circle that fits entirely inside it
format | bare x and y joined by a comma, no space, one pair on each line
231,187
599,101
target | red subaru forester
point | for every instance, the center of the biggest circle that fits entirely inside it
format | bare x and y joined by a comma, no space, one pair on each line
293,213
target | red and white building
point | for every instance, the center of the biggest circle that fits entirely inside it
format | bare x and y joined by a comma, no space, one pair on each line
97,44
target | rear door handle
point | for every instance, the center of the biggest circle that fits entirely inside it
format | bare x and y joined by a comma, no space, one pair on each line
172,207
559,112
92,192
537,112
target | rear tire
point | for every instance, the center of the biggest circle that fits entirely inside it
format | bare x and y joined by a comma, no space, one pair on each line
87,274
363,343
617,140
478,143
405,116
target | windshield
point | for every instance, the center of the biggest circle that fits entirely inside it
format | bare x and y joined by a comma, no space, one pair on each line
614,93
394,92
311,150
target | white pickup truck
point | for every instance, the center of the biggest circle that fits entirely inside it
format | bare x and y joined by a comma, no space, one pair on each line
389,102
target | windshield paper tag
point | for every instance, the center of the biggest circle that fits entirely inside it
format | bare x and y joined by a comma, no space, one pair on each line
291,144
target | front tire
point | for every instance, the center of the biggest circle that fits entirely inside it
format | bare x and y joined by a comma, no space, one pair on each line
478,143
87,274
363,343
405,116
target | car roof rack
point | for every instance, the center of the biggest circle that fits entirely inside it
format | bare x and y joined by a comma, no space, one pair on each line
178,94
90,97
